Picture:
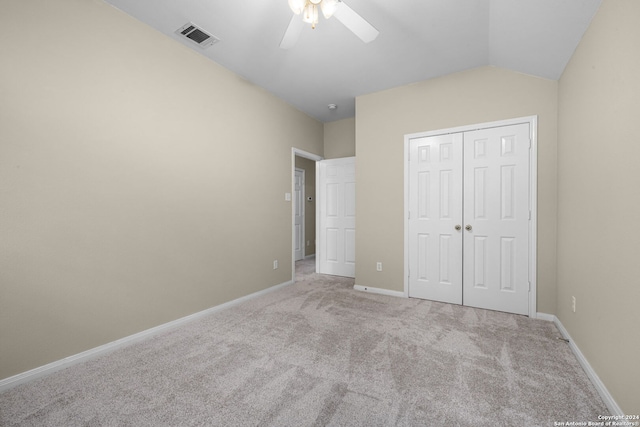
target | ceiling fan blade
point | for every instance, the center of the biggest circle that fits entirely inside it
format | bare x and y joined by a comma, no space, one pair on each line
293,32
355,23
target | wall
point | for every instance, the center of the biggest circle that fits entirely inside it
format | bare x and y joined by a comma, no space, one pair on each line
476,96
123,201
599,203
309,167
340,138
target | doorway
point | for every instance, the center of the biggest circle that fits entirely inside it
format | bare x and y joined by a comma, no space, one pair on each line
299,226
303,239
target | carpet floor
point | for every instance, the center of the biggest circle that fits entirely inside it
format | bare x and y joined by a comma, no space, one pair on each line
318,353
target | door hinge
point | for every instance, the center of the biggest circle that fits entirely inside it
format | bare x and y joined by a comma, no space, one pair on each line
529,214
529,142
409,217
529,286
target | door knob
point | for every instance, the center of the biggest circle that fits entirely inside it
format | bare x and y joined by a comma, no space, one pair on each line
458,227
468,227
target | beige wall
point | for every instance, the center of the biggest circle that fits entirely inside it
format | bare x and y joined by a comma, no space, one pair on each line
124,203
309,167
599,199
340,138
120,197
475,96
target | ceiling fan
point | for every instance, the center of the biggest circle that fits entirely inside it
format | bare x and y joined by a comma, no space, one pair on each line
309,11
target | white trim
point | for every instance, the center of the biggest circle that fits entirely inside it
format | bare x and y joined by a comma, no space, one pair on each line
52,367
405,219
379,291
595,380
533,228
300,153
545,316
318,244
533,182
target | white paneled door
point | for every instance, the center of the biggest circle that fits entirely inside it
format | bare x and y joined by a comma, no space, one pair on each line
298,213
435,255
337,216
496,218
470,218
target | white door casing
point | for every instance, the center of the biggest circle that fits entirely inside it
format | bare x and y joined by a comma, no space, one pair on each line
496,199
336,200
435,211
298,214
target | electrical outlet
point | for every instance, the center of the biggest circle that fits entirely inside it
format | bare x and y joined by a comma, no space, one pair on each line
378,266
573,304
275,264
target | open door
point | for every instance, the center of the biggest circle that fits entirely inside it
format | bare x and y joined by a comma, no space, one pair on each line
336,218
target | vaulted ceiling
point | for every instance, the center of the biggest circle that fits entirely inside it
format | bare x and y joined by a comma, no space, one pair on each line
419,40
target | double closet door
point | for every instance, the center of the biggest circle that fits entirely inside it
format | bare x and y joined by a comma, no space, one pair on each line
469,218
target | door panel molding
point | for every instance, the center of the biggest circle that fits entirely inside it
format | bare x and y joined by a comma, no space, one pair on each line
479,149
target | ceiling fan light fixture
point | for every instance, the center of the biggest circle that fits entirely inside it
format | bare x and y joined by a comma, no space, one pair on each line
329,7
297,6
310,14
343,13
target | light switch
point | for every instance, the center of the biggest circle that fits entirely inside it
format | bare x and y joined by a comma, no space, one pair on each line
287,197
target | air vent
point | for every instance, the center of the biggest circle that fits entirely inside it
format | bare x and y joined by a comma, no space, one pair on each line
197,35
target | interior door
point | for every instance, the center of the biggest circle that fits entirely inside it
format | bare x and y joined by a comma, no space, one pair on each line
337,216
470,218
298,217
435,218
497,218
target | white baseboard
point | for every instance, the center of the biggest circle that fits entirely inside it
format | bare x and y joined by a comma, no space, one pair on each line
379,291
595,380
52,367
545,316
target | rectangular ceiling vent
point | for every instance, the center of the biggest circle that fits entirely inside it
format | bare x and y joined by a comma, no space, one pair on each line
197,35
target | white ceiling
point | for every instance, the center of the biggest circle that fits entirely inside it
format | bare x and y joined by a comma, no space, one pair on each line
419,40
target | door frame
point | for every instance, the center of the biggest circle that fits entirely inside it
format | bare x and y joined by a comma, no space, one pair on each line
316,158
302,212
533,195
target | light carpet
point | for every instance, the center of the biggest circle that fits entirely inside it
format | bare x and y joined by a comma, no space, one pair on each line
320,353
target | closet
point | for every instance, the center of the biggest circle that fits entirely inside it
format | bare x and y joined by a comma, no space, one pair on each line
469,234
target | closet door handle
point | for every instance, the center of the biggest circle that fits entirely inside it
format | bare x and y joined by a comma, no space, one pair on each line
468,227
458,227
